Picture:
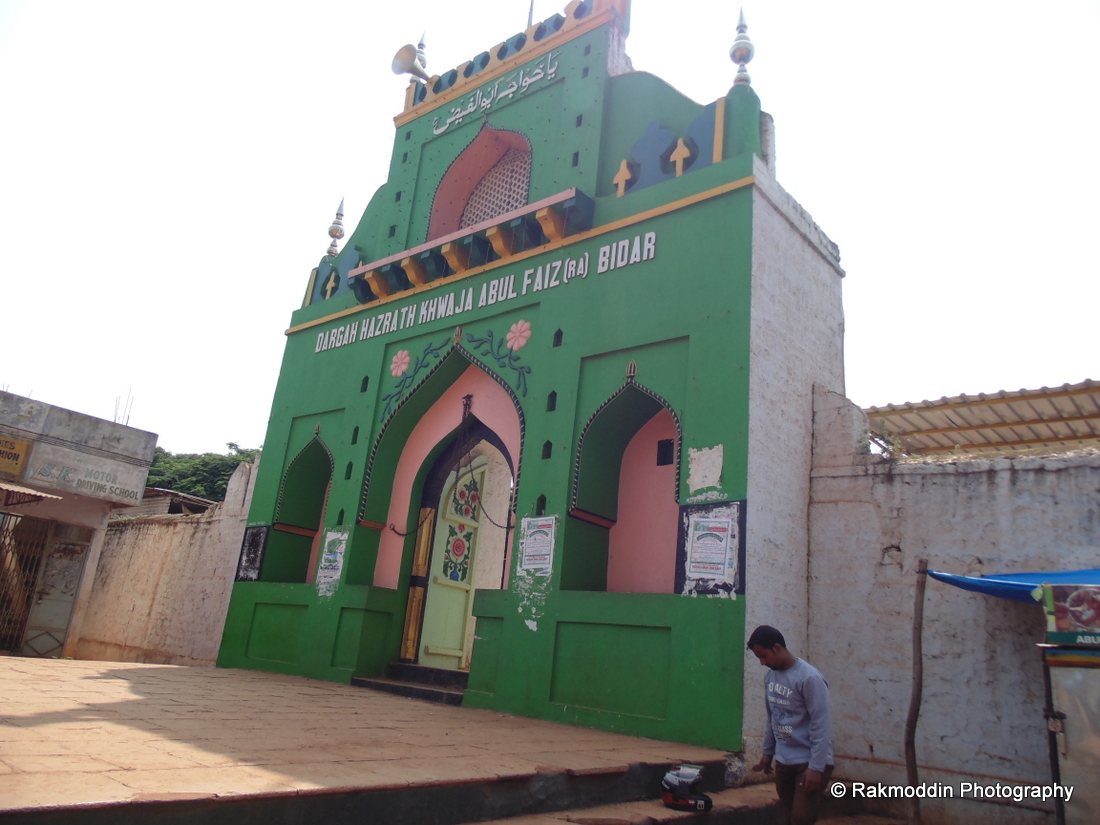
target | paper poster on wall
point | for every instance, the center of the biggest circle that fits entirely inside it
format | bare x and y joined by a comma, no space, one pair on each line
710,550
708,547
252,554
332,561
537,544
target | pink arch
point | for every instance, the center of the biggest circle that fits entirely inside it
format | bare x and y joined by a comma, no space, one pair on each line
642,544
492,406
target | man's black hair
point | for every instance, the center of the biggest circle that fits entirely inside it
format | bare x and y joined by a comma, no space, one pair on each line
766,636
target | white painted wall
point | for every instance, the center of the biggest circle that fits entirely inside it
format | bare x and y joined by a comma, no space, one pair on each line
796,341
162,586
870,521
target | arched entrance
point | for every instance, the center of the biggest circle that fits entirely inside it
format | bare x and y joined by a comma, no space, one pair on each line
459,432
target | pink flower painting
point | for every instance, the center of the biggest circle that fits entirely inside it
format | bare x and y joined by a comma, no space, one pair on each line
518,335
400,363
458,548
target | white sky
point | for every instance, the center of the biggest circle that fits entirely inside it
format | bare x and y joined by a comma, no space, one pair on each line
168,172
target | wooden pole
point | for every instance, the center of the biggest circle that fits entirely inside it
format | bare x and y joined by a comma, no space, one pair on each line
915,696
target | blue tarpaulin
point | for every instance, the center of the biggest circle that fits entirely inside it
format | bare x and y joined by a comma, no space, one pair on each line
1019,587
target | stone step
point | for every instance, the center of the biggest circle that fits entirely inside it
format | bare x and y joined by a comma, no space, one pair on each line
434,676
433,684
413,690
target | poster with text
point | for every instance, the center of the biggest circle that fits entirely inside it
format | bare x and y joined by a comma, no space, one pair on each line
710,550
332,561
709,547
537,544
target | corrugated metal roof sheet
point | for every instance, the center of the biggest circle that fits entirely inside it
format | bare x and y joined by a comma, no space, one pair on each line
1051,419
152,492
14,494
159,501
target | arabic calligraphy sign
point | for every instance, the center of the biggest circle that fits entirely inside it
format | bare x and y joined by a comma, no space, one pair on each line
506,88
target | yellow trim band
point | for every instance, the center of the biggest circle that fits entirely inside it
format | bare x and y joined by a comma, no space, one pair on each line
719,128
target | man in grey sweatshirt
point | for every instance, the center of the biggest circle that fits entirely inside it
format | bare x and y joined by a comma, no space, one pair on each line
797,734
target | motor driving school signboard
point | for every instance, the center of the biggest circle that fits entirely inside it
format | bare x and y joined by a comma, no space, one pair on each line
1073,614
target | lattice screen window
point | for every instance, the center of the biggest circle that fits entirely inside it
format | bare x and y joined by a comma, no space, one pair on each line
503,189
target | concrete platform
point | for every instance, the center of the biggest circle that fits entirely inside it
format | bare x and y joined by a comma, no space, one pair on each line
90,742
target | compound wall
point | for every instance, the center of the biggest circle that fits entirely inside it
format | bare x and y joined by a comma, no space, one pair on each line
871,519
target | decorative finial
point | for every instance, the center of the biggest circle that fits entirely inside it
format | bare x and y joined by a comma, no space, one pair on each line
631,370
336,231
421,58
741,52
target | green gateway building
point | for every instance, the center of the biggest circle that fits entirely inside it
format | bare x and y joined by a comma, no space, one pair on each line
544,422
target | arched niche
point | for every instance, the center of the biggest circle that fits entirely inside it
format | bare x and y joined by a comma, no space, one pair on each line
642,543
624,512
299,515
490,177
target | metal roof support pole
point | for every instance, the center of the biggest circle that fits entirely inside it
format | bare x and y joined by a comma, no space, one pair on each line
915,696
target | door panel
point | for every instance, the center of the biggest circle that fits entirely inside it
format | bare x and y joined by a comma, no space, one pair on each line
55,592
418,583
448,607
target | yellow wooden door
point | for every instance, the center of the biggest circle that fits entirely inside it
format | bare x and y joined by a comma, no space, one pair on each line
444,640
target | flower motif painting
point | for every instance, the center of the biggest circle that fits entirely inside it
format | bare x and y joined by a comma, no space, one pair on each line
518,335
503,349
458,549
405,368
464,499
400,363
456,556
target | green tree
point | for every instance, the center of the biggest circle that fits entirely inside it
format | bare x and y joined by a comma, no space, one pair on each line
198,474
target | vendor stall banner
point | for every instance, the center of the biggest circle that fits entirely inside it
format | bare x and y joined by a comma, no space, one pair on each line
1073,614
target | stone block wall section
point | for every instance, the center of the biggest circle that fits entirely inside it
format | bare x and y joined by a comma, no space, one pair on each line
796,343
162,587
871,519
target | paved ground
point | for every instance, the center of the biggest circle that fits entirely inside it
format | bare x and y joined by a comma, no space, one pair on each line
82,733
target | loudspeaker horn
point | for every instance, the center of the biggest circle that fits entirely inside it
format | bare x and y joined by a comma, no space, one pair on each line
405,62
